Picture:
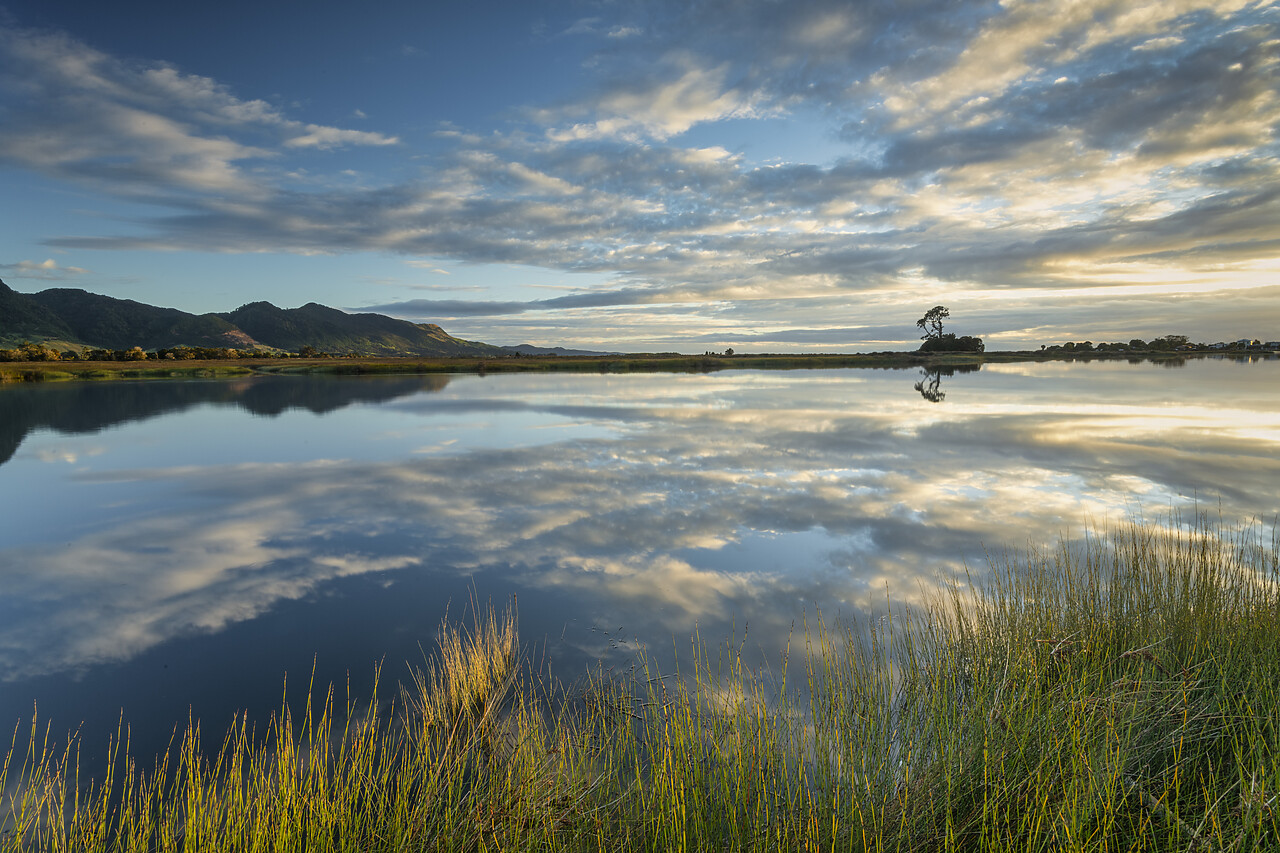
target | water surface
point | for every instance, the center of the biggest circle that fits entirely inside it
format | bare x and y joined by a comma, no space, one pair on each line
169,547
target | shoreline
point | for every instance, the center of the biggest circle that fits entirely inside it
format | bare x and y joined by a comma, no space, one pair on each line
54,371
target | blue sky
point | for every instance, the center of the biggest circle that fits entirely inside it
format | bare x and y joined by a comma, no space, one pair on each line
771,176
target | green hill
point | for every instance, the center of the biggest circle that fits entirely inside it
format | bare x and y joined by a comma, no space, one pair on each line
331,330
24,319
109,323
70,316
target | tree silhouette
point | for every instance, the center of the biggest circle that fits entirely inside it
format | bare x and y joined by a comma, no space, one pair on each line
931,322
928,387
936,341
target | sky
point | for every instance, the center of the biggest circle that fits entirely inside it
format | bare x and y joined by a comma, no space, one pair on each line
650,176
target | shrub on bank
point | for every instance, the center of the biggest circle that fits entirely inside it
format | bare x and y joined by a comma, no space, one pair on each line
951,343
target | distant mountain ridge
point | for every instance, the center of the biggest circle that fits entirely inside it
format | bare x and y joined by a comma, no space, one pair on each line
530,349
375,334
78,317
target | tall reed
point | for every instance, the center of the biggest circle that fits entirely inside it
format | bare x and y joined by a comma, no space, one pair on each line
1122,693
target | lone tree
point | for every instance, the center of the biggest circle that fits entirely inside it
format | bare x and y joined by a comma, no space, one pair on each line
931,322
936,341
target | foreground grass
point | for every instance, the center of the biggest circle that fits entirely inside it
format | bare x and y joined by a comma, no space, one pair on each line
1122,695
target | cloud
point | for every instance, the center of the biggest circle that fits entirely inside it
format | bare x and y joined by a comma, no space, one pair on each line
660,108
582,26
1018,45
1038,147
427,265
489,308
432,308
330,137
803,336
76,113
46,270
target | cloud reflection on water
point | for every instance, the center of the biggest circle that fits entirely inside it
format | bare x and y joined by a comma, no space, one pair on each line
703,501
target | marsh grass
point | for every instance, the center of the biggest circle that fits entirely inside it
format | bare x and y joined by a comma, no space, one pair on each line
1120,694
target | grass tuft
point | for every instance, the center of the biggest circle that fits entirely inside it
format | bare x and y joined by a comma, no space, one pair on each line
1121,694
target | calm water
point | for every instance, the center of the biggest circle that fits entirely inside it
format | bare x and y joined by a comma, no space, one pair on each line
169,545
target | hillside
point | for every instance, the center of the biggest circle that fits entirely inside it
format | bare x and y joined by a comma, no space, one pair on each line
76,317
331,330
21,319
110,323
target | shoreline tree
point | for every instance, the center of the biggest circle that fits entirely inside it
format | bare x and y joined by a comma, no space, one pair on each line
931,322
935,340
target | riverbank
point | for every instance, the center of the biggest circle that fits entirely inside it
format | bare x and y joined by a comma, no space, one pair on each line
151,369
1121,695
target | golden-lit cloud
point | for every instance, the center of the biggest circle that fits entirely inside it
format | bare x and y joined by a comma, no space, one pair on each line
726,178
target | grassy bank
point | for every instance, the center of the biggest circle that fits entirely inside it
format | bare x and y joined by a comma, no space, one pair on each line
80,370
1123,695
64,371
68,370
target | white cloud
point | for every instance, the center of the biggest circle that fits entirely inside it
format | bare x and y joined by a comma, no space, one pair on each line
317,136
430,266
661,109
1026,37
79,114
48,270
1042,147
828,28
582,26
1160,43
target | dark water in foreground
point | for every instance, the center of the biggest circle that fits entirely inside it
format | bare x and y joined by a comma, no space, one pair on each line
171,546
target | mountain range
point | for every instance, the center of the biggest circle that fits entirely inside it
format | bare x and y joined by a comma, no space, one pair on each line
66,317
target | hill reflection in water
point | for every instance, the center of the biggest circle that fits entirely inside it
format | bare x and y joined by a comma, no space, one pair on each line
173,550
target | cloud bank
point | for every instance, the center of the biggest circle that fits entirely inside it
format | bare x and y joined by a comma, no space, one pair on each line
978,150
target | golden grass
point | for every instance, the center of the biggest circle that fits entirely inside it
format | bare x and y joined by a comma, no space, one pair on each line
1121,695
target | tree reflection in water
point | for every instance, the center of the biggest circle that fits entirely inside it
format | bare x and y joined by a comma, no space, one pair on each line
929,386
